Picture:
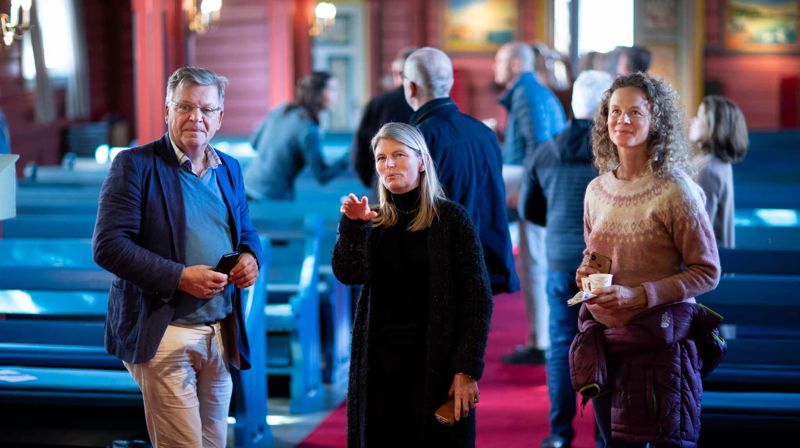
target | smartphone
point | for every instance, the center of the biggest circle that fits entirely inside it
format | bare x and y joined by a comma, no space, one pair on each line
445,415
600,262
227,262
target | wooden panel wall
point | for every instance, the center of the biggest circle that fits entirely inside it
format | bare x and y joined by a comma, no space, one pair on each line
420,23
109,49
751,80
238,48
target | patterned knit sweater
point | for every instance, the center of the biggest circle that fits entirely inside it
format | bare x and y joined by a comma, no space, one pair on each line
657,234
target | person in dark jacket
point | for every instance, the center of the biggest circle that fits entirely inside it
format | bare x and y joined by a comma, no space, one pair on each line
557,175
168,211
467,158
384,108
290,139
422,321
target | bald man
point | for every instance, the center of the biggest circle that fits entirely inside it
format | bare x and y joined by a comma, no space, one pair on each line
467,157
534,116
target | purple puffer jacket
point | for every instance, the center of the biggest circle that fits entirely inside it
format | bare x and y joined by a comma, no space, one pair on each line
652,367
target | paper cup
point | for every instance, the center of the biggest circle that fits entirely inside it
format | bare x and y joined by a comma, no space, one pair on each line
598,281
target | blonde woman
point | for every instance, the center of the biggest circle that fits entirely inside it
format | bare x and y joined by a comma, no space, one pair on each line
423,317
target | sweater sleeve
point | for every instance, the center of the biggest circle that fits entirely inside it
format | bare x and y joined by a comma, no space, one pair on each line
712,186
312,154
694,238
351,264
474,293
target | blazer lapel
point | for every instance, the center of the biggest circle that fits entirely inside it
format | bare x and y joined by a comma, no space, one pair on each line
172,195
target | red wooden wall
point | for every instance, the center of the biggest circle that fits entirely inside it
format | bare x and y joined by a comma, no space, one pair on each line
751,80
109,49
262,47
238,48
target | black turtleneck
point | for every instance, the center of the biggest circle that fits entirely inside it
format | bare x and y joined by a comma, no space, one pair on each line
400,275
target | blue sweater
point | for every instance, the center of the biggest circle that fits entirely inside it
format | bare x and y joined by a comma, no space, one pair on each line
534,116
208,237
286,142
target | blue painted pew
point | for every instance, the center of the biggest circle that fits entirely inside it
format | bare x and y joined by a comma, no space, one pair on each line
288,226
53,302
757,384
283,223
767,177
293,328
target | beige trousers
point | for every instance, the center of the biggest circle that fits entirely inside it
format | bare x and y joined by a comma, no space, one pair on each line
186,388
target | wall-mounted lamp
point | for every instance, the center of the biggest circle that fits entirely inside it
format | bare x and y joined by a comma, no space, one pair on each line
12,26
324,17
201,14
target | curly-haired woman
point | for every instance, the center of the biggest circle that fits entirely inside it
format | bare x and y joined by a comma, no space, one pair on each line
647,215
720,133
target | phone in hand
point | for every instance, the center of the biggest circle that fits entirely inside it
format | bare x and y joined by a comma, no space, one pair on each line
600,262
227,262
445,415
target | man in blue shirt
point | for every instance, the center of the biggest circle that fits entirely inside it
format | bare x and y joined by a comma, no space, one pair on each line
534,116
168,211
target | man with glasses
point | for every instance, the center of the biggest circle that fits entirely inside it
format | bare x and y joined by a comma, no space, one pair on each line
168,211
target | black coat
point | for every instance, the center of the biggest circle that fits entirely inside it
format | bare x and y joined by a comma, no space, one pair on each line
470,167
459,310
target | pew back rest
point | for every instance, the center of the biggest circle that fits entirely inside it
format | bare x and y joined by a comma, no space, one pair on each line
757,297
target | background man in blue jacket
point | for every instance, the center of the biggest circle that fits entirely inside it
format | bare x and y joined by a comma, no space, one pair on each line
168,210
534,116
557,174
467,158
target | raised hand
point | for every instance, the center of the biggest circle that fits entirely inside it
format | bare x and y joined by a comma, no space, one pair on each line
356,209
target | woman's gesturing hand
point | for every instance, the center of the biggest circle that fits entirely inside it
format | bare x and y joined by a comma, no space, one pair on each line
465,391
357,210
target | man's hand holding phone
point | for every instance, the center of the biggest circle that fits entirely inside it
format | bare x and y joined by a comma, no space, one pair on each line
245,272
202,282
205,282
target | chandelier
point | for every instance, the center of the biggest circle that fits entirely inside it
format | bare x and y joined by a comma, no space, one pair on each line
201,14
12,25
324,17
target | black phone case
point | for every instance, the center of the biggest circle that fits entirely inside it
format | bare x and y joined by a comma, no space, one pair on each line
227,262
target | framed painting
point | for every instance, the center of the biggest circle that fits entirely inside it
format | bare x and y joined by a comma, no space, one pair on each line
761,26
479,25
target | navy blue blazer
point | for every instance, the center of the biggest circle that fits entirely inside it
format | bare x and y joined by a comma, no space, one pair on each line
140,237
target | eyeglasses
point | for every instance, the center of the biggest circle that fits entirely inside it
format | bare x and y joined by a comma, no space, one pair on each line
185,109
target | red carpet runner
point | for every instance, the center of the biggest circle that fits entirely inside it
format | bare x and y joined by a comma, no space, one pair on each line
514,405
